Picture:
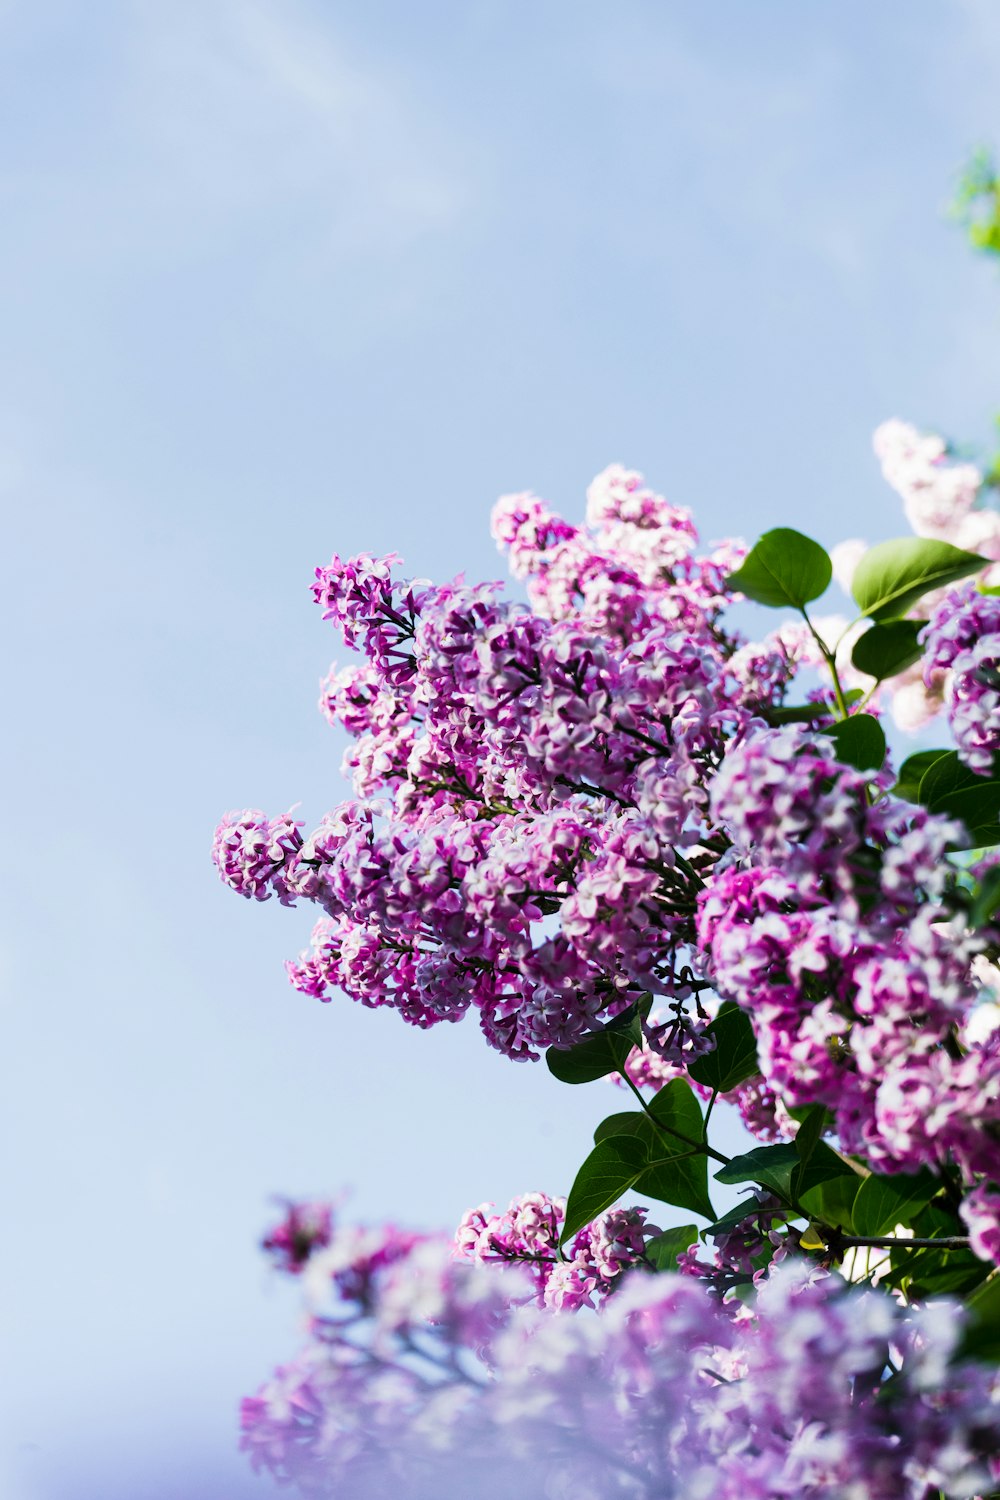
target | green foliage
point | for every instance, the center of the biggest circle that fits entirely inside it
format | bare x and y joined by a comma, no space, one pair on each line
783,568
769,1166
598,1055
673,1167
986,898
981,1339
627,1122
893,576
860,742
911,773
729,1220
735,1056
935,1273
887,649
977,203
832,1200
883,1202
664,1248
948,786
610,1170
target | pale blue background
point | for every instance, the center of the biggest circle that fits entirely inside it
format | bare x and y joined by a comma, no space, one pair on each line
280,278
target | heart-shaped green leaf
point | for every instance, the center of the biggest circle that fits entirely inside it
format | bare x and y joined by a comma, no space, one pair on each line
783,568
887,649
860,742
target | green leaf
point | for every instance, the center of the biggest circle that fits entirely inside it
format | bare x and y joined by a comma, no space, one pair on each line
628,1122
595,1057
663,1249
986,901
815,1120
771,1166
787,1172
933,1273
981,1338
911,773
949,787
681,1180
729,1221
676,1107
892,576
822,1165
831,1201
860,742
887,649
795,713
884,1202
610,1170
784,568
734,1057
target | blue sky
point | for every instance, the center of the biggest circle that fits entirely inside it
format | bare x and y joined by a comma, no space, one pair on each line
284,278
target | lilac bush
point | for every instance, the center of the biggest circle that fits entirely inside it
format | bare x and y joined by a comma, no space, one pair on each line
612,829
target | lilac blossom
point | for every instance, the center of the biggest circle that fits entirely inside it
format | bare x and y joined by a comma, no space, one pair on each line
962,638
417,1364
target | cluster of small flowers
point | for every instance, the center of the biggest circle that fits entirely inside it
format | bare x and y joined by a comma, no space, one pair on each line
583,1273
254,854
747,1251
939,493
525,779
856,979
962,638
418,1367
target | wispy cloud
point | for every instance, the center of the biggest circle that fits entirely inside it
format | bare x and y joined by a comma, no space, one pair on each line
245,121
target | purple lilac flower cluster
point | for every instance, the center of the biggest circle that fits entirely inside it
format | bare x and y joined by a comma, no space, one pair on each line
962,638
856,980
526,779
418,1366
585,1271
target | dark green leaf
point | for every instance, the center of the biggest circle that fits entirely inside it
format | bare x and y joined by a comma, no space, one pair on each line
815,1120
831,1201
822,1165
795,713
860,742
595,1057
884,1202
681,1180
628,1122
771,1166
609,1171
664,1248
949,787
676,1106
887,649
911,773
981,1338
729,1221
892,576
986,901
784,568
735,1055
933,1273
